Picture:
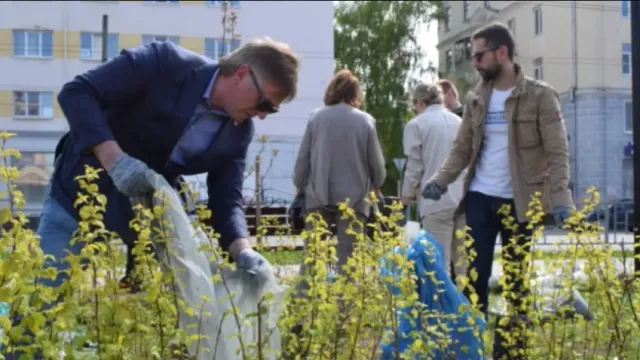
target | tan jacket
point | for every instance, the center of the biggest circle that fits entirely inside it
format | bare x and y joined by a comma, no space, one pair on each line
427,140
538,149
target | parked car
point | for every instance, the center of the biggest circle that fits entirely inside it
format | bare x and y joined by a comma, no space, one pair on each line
620,215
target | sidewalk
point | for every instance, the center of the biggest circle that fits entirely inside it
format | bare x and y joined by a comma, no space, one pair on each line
540,265
550,241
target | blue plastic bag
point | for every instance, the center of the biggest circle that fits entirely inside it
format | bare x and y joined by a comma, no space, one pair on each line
442,300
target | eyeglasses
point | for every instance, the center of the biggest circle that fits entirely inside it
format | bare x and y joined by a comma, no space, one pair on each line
480,54
264,104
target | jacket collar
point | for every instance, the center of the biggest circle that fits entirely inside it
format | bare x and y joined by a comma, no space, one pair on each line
482,91
433,107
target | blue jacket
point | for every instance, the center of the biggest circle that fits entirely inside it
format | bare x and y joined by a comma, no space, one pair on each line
442,300
144,99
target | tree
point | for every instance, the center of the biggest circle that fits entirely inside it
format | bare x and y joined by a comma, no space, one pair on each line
376,40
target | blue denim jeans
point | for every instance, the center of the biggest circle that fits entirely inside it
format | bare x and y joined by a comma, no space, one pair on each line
486,223
55,230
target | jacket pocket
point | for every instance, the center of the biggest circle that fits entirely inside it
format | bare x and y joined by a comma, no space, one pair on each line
526,131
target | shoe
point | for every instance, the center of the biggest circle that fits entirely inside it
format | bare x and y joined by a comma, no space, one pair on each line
126,283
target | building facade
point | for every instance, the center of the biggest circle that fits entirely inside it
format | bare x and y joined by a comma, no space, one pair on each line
44,44
589,64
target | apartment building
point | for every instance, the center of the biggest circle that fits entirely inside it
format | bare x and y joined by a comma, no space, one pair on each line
44,44
591,71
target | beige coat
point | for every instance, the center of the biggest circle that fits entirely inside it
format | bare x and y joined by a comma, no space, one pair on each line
538,149
427,140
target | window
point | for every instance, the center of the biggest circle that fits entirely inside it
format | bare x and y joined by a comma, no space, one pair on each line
449,60
219,3
213,47
34,173
511,24
147,39
33,104
91,46
465,10
447,18
626,58
537,69
468,49
33,43
537,21
624,8
628,116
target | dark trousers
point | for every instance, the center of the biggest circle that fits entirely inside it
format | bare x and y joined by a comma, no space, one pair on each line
485,221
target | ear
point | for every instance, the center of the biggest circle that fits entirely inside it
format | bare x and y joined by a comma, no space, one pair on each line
504,52
241,72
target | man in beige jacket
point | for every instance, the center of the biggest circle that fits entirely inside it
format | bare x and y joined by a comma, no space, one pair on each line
427,140
513,141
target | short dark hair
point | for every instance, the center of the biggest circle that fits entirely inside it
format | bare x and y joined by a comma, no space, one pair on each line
495,35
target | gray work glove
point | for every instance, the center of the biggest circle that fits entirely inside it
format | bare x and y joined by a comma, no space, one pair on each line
560,214
251,261
129,175
433,191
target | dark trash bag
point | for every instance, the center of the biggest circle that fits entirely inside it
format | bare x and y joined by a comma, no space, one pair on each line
296,212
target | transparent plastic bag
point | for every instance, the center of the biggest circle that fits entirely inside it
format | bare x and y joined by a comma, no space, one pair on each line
193,272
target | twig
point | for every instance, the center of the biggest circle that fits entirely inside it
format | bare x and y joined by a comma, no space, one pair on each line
200,329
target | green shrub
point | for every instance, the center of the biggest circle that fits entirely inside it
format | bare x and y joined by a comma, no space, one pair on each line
346,317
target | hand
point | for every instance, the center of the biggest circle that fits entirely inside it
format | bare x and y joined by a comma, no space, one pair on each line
251,261
129,175
560,214
433,191
405,200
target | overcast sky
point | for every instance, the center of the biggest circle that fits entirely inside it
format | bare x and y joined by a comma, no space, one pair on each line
428,39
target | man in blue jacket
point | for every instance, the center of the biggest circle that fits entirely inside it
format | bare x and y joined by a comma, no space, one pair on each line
164,108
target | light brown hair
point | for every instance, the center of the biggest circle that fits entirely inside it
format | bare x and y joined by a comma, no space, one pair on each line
343,88
428,94
447,86
271,60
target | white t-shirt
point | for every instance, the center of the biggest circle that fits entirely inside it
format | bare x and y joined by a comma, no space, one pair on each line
492,175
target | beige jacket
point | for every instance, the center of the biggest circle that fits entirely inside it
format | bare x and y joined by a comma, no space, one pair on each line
427,140
538,150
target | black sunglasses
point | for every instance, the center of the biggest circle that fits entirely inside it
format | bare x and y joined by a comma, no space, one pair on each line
264,104
480,54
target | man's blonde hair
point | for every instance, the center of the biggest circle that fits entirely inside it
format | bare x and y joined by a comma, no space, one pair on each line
429,94
343,88
272,61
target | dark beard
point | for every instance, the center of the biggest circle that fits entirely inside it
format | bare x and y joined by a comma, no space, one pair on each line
491,74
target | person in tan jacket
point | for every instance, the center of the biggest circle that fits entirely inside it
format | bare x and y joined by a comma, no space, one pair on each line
513,141
427,139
